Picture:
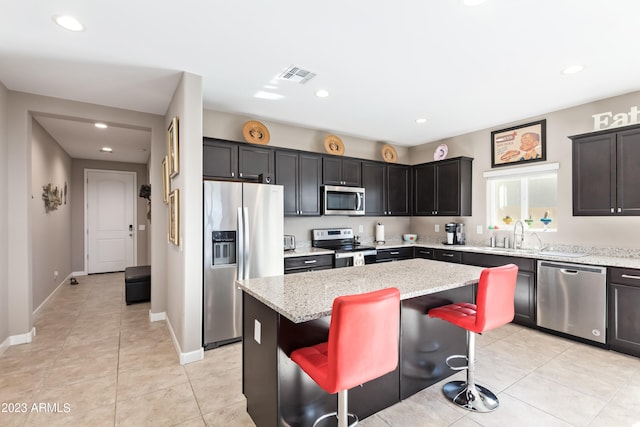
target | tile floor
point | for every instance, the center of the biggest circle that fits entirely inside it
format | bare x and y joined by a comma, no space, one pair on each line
97,362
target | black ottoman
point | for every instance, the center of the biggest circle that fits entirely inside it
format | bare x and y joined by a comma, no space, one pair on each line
137,284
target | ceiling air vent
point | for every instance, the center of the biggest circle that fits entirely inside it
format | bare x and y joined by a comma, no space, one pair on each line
297,75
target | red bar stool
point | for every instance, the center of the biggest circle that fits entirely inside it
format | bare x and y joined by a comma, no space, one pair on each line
494,307
362,346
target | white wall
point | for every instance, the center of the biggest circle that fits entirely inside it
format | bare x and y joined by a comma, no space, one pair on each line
608,232
21,106
51,230
4,208
184,262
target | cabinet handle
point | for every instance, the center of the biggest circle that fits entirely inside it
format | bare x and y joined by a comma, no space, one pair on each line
233,174
619,210
630,276
240,174
425,252
394,253
449,255
612,210
311,261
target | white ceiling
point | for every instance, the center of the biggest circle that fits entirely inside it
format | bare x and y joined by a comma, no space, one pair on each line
384,63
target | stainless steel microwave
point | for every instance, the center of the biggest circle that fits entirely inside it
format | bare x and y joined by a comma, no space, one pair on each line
338,200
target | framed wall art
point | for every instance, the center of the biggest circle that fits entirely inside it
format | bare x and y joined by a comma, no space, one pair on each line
174,148
166,182
174,217
519,144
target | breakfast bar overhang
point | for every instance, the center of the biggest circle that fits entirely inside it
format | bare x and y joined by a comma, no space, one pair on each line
284,313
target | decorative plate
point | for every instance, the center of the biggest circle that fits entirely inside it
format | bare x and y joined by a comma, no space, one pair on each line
334,145
389,154
255,132
441,152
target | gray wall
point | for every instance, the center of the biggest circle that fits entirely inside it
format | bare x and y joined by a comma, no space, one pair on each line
609,232
77,207
4,207
51,231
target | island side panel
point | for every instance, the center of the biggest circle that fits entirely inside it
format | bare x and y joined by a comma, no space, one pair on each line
259,361
427,342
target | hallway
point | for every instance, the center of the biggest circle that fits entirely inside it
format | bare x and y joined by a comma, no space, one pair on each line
97,362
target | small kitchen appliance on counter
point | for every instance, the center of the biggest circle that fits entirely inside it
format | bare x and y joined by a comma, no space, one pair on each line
289,242
455,233
348,252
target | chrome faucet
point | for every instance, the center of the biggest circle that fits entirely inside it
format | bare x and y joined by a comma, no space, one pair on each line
515,241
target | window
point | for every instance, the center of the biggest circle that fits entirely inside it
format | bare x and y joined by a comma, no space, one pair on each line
528,194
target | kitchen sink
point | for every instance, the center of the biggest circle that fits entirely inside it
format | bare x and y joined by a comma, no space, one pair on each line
563,254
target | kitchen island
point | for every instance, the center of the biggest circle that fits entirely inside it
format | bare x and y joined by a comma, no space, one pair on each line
283,313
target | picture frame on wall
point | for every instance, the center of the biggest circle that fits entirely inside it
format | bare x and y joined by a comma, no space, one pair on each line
174,217
166,182
174,148
519,144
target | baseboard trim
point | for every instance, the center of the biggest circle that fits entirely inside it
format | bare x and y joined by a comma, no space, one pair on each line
157,317
22,338
185,358
5,345
79,273
46,301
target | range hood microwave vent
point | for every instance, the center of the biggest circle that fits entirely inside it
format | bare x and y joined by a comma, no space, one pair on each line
297,75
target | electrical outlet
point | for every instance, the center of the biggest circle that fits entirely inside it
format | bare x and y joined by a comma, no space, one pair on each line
479,229
55,274
360,228
437,228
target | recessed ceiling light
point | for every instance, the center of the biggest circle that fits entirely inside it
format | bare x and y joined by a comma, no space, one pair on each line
573,69
322,93
106,149
69,23
421,120
471,3
100,125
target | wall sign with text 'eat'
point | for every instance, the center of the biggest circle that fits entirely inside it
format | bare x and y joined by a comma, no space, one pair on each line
610,120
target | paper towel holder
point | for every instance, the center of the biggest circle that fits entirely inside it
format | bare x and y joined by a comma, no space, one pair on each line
380,234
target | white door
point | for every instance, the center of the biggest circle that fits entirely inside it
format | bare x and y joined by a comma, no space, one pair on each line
110,219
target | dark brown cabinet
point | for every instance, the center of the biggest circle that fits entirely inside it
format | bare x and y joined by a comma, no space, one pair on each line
231,160
606,170
525,296
307,263
387,189
447,255
301,175
394,254
443,188
624,316
426,253
339,171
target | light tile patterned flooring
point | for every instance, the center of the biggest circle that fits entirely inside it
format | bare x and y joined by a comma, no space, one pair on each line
97,362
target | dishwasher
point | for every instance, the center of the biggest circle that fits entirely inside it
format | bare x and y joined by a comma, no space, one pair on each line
572,299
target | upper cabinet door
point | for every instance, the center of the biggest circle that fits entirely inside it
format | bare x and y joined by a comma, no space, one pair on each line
287,176
373,181
398,190
351,172
628,172
220,159
424,189
310,181
443,188
254,161
339,171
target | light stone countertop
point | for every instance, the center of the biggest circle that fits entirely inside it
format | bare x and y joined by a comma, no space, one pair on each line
307,296
612,258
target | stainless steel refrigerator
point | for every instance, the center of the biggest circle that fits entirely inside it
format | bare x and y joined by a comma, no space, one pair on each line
243,229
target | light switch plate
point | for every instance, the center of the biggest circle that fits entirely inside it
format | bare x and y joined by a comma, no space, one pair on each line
257,331
437,228
479,229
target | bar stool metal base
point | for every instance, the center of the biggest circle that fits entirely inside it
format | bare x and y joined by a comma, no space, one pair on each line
335,414
475,398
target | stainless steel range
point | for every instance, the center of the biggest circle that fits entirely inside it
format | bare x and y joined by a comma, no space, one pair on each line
348,250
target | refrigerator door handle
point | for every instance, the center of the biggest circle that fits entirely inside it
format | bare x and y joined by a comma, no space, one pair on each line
240,244
246,253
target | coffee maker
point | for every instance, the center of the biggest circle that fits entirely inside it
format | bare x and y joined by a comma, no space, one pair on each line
455,233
